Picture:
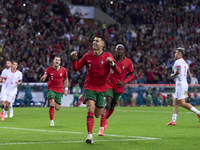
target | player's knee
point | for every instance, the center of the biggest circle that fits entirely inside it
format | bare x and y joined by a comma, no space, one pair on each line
90,109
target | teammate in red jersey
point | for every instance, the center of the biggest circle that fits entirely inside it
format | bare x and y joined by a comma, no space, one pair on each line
116,85
56,74
98,65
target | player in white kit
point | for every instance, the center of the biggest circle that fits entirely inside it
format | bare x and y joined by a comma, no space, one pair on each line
3,74
12,78
181,70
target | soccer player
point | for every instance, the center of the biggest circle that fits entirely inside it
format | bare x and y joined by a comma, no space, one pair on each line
98,65
116,85
181,70
11,79
56,74
3,74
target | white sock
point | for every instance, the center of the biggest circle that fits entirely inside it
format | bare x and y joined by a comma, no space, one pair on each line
4,113
101,127
174,116
195,110
11,107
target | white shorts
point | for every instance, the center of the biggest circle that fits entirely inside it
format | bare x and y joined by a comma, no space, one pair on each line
8,97
181,91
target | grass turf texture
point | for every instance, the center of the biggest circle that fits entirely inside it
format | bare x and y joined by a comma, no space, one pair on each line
128,128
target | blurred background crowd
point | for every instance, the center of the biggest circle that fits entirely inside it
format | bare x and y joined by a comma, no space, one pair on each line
33,32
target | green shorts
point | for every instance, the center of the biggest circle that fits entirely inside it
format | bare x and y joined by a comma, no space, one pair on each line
115,96
54,95
98,97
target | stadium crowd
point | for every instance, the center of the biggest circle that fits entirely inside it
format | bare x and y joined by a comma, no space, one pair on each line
33,32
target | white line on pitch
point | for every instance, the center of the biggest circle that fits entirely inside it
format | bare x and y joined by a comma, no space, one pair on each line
115,140
150,111
150,138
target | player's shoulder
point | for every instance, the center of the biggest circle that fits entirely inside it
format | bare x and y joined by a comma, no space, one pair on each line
18,72
128,60
107,54
63,68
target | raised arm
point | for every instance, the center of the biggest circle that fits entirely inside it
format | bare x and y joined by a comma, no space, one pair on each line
76,65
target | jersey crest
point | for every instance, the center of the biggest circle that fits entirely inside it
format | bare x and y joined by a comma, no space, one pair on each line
102,61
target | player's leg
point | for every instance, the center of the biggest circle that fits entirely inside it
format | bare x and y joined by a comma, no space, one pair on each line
11,110
190,107
51,110
90,119
2,107
175,112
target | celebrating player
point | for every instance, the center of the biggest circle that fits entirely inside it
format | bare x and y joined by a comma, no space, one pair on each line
116,85
56,74
11,80
98,65
181,70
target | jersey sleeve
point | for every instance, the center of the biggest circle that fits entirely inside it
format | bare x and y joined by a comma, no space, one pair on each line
177,64
130,67
20,76
65,73
3,74
46,72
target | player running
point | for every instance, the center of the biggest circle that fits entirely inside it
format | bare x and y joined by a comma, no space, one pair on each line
181,70
11,79
116,85
56,74
98,65
3,74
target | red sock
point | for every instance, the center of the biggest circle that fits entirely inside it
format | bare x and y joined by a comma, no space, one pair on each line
103,119
51,112
109,113
90,122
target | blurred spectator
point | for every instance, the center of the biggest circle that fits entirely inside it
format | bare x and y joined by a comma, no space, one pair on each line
28,98
44,87
196,100
149,99
168,100
159,99
76,93
140,98
193,79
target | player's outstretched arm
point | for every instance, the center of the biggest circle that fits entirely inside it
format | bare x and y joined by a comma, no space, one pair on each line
113,65
43,78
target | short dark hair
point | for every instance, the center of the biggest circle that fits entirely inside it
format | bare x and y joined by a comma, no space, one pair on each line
102,39
14,61
57,57
182,50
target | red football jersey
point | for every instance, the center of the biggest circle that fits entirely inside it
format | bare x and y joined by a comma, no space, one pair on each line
126,65
98,69
55,82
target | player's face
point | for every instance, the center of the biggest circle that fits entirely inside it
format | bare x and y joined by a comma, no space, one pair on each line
120,50
56,61
176,54
8,64
14,65
97,43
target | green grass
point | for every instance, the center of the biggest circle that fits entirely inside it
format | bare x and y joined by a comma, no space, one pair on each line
128,128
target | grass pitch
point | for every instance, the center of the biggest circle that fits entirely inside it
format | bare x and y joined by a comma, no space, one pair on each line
129,128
